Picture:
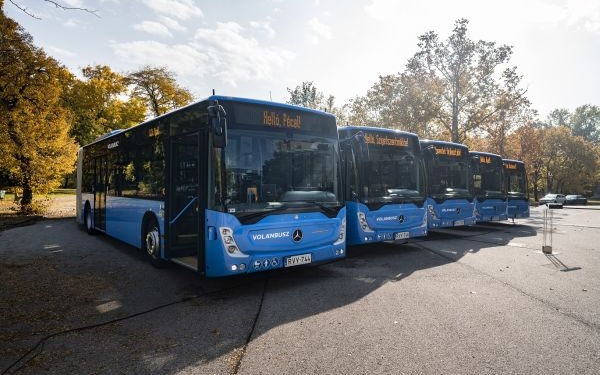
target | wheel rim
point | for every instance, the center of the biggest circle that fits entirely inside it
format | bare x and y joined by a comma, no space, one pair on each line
152,242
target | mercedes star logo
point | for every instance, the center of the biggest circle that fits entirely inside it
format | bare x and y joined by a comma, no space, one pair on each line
401,219
297,235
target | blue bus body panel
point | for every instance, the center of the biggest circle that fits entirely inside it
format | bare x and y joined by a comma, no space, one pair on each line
450,213
491,210
266,245
518,208
124,218
385,223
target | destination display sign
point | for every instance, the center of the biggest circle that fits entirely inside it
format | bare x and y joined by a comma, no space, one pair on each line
485,159
448,151
387,140
281,118
510,166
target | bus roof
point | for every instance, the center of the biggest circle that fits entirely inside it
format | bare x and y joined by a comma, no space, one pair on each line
266,102
374,129
485,154
213,97
428,142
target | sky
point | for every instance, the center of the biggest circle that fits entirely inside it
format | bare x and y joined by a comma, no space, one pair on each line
260,48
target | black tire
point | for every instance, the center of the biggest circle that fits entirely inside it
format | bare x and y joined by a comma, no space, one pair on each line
88,220
151,243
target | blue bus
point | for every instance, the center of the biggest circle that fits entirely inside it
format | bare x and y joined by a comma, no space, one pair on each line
489,186
517,188
223,186
450,201
384,184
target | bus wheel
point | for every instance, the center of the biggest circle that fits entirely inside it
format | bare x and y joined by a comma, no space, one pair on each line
151,243
88,220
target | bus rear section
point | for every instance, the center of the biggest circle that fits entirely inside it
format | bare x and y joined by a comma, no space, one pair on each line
450,201
489,186
517,188
224,186
384,185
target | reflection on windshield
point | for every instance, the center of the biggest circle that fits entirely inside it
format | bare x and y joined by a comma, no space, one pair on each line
516,183
488,182
390,175
273,171
449,178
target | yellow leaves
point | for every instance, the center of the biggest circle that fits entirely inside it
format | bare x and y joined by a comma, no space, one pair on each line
37,149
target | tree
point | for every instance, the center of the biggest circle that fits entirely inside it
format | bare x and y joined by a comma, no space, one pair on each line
558,117
465,75
306,95
527,144
398,102
99,103
158,89
36,147
585,122
512,110
570,162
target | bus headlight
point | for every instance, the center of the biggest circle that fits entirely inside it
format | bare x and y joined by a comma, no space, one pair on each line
342,234
229,242
432,212
362,221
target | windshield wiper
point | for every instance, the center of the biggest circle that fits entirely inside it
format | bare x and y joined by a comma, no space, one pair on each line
326,209
264,211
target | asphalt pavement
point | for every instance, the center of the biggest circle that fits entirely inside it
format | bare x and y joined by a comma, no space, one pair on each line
470,300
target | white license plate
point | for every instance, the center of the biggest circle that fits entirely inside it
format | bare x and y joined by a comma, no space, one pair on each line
297,260
459,223
401,235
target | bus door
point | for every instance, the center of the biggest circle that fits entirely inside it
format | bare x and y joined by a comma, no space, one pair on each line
185,200
100,187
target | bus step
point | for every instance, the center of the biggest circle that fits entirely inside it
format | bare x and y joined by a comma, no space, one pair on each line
187,262
186,239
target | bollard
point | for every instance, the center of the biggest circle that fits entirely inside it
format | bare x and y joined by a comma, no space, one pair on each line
547,234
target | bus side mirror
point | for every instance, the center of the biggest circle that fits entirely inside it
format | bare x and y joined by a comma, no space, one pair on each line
363,149
218,123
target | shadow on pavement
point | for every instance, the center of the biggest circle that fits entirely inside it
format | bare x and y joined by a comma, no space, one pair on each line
137,319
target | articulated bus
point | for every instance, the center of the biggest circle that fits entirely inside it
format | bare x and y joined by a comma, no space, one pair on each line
515,178
223,186
384,184
450,201
490,189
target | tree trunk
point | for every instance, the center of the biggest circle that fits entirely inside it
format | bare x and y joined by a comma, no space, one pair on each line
27,197
455,135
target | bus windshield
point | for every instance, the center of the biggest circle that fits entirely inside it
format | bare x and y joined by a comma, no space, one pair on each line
517,184
391,175
488,182
268,171
449,178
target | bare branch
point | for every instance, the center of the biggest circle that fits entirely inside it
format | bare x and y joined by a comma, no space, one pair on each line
24,10
56,4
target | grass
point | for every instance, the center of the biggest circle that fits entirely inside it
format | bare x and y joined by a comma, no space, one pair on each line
10,217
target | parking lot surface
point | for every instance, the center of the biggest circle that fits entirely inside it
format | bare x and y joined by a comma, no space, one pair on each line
470,300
